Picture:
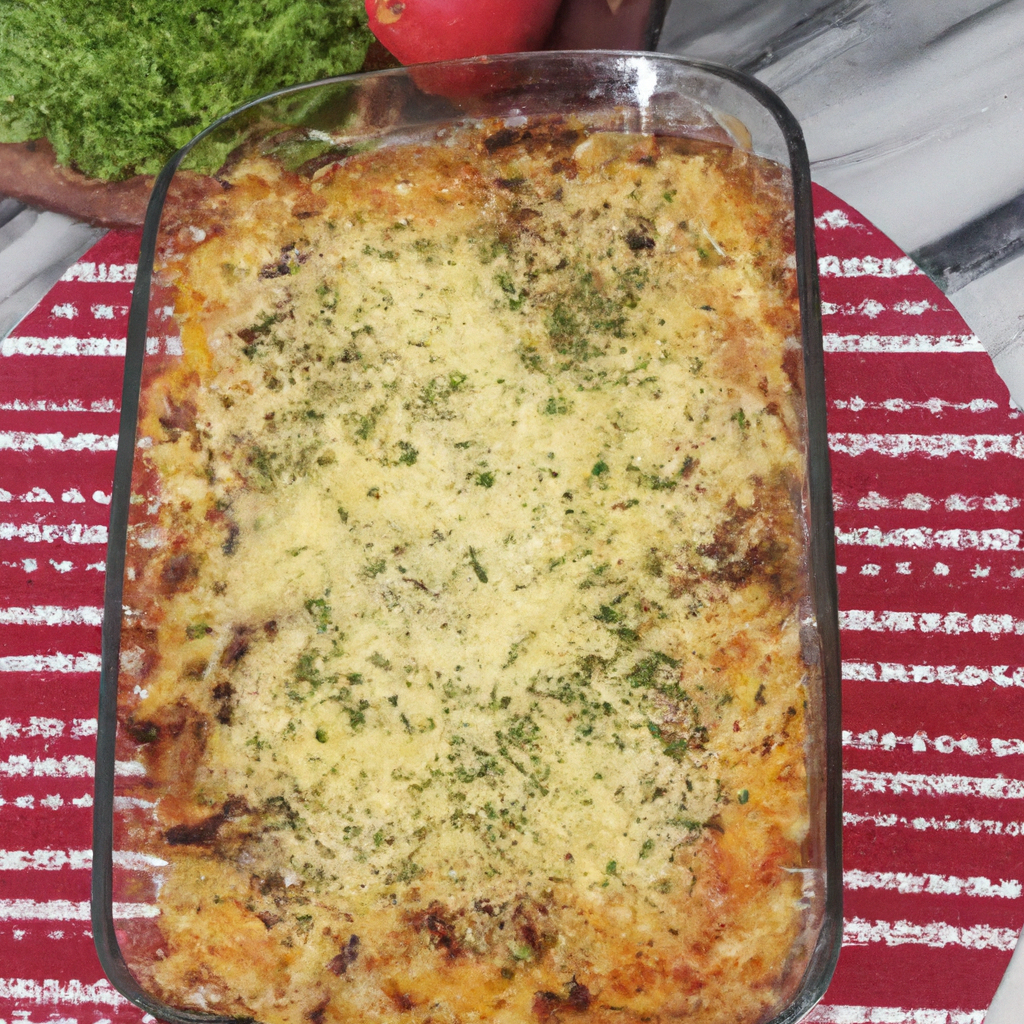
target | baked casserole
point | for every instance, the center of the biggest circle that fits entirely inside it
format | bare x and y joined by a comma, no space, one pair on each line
462,651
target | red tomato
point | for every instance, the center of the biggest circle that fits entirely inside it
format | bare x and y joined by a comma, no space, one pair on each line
416,31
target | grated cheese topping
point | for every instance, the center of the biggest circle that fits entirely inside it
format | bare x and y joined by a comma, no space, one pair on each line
464,626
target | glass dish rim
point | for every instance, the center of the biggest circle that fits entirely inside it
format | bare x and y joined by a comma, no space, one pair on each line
822,574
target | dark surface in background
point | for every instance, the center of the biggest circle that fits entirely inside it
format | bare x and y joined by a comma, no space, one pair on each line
593,25
984,244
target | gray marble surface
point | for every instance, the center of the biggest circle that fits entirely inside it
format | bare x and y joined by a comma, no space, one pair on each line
36,247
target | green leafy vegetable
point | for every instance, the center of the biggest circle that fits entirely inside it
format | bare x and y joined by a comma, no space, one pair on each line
118,85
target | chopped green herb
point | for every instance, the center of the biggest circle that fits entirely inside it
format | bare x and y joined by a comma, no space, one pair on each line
321,612
481,573
374,568
388,255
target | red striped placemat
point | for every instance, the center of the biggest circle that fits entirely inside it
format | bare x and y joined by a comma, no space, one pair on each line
928,465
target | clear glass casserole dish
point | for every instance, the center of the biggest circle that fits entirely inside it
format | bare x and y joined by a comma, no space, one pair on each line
406,349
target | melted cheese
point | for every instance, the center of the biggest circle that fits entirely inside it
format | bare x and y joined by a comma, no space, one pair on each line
470,585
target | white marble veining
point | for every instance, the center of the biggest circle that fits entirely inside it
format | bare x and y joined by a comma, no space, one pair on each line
35,249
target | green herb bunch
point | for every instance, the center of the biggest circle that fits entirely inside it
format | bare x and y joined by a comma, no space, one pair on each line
117,86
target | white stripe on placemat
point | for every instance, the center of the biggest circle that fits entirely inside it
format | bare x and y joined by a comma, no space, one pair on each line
936,934
949,675
99,311
923,503
55,860
975,826
51,992
44,860
101,273
898,783
40,495
51,615
62,663
832,219
51,802
71,405
47,533
48,728
868,266
66,910
872,307
70,496
62,346
33,496
24,441
921,743
858,620
28,565
934,885
937,406
924,538
932,446
70,766
837,1014
902,344
940,569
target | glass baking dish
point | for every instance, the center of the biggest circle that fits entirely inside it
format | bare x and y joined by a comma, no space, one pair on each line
305,132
